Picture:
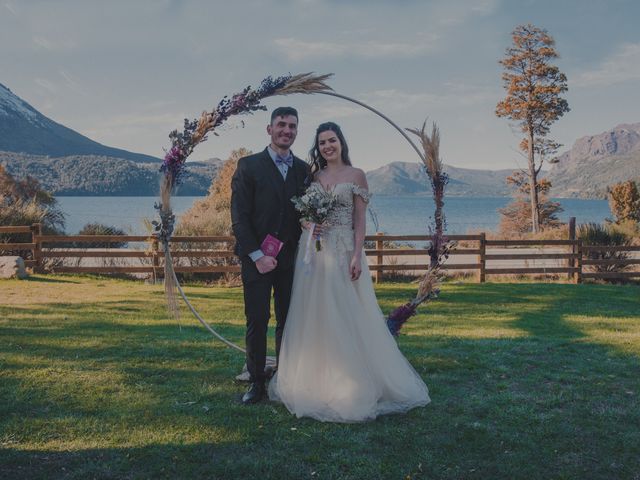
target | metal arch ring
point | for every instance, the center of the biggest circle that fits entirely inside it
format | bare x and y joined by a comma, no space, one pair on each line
168,253
380,114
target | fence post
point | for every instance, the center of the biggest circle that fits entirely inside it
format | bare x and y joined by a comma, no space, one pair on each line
155,248
379,257
572,236
482,260
578,277
36,231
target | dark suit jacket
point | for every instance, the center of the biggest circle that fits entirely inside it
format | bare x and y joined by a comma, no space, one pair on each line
261,205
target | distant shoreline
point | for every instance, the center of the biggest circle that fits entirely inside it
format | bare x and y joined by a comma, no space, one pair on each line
398,214
386,195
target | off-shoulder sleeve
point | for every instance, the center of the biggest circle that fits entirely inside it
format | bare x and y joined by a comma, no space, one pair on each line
361,192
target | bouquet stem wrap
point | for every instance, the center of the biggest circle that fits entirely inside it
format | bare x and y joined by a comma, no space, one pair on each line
307,247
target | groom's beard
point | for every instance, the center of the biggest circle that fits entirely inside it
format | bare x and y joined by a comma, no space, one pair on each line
284,141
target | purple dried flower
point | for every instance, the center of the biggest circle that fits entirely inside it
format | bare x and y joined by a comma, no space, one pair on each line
269,85
173,164
399,316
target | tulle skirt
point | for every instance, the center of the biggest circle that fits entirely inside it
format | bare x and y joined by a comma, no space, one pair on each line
338,361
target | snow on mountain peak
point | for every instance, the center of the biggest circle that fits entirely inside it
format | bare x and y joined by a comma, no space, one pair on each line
10,104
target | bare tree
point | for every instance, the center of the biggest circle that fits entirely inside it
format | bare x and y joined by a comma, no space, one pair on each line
533,99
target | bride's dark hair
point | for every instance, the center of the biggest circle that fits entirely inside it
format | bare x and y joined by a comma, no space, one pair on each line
316,160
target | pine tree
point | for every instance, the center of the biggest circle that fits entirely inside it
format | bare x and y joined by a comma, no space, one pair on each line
533,100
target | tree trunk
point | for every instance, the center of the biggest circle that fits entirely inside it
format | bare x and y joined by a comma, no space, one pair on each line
533,184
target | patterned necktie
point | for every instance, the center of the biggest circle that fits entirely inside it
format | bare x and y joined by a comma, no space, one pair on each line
288,160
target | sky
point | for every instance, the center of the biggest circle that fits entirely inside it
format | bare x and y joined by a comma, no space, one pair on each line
127,72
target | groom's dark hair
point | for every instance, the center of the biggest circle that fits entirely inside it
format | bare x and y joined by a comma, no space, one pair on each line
283,112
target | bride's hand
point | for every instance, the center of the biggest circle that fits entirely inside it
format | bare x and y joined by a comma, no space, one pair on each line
355,268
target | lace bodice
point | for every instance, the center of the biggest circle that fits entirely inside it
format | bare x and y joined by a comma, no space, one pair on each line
342,214
338,236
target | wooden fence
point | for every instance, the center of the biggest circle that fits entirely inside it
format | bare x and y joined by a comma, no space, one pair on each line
213,254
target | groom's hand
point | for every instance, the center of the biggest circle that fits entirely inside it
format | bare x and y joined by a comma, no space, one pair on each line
266,264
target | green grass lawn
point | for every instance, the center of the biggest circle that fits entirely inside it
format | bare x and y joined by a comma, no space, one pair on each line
527,381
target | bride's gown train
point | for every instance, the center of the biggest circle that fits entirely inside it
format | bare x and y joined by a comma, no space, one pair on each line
338,361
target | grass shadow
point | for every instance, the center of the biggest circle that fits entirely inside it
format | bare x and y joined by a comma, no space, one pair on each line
112,393
47,279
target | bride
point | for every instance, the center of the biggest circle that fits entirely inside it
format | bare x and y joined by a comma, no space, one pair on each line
338,362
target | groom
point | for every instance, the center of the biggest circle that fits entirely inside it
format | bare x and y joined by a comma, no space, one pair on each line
261,191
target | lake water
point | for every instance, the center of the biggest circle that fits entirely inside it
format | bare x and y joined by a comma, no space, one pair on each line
399,215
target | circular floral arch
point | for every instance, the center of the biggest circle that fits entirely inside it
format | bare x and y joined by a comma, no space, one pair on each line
246,102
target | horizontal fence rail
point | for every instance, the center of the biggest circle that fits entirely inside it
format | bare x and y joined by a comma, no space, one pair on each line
390,254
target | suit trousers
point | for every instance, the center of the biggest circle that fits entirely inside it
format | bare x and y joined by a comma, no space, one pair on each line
257,308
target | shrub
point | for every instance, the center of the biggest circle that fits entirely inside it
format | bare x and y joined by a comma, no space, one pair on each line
212,216
604,235
100,229
515,220
23,203
629,228
624,201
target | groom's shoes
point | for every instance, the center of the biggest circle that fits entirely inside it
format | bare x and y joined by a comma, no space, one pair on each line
255,393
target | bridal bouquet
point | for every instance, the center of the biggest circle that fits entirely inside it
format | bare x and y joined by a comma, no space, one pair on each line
315,206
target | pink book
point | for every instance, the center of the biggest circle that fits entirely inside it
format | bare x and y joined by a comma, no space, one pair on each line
271,246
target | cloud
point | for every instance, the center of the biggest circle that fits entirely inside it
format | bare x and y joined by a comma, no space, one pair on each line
334,111
49,45
621,66
10,7
297,49
465,94
391,102
399,99
43,43
72,83
124,122
46,84
458,13
484,7
453,95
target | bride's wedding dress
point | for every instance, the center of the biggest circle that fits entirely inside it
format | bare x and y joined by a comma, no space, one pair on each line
338,361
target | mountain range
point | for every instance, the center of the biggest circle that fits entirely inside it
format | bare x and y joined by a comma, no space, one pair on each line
24,129
405,178
94,175
68,163
596,162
